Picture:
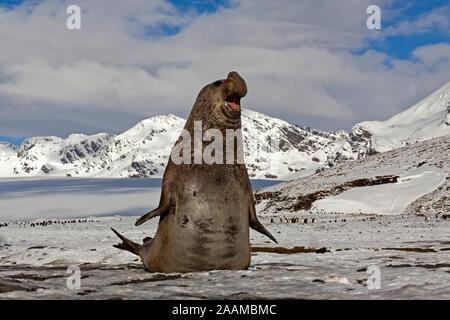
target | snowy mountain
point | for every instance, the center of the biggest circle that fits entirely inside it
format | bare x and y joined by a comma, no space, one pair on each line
299,151
427,119
274,149
143,150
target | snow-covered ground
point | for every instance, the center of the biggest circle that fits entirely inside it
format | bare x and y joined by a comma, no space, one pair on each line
392,198
421,172
412,253
47,225
413,256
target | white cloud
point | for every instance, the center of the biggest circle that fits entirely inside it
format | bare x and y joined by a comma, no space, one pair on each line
437,55
435,19
295,57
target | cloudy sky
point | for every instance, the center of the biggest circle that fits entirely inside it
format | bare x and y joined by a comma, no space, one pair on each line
309,62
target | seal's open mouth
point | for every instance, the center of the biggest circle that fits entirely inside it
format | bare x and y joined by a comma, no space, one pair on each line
233,101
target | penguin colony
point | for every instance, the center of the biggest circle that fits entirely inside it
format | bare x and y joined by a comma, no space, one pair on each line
25,224
283,219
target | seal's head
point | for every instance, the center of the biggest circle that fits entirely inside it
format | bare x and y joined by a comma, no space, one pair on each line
220,101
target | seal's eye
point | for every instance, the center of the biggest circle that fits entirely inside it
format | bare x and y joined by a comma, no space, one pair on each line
217,83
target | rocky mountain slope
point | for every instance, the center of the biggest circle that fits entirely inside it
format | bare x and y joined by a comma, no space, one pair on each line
411,179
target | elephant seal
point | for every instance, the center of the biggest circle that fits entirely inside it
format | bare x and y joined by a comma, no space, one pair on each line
205,209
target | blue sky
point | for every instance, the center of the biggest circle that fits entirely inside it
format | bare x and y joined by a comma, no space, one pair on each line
10,2
181,51
401,46
12,140
202,6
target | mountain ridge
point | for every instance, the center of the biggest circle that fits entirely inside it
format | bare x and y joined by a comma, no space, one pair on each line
427,119
143,150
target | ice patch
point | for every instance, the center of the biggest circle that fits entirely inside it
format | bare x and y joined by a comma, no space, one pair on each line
72,198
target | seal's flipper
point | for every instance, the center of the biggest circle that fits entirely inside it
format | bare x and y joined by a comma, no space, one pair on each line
157,212
127,244
256,225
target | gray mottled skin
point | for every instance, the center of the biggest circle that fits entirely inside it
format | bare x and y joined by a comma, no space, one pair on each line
205,209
